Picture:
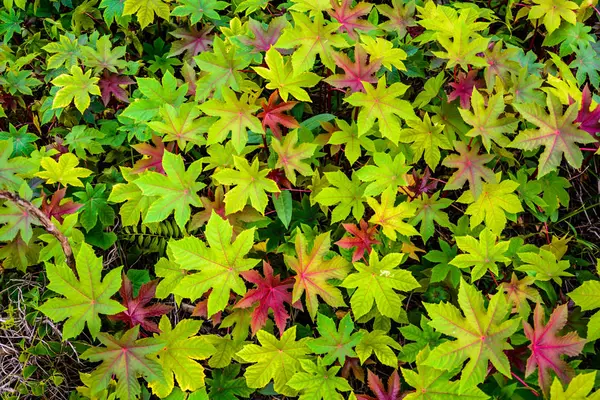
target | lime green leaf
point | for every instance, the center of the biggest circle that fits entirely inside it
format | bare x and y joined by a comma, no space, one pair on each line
65,171
482,255
136,204
145,10
319,382
348,135
75,87
381,344
426,138
346,195
553,11
391,217
181,124
429,210
84,298
579,388
544,266
386,173
335,343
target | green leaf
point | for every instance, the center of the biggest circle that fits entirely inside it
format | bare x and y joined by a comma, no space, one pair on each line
391,217
198,9
426,139
348,136
345,194
544,266
318,382
291,155
276,360
127,359
65,171
177,191
94,207
182,124
421,338
283,206
335,343
428,212
84,298
250,184
219,265
67,51
578,389
381,344
481,335
552,12
386,173
377,283
157,95
482,255
145,10
225,385
75,87
104,56
136,204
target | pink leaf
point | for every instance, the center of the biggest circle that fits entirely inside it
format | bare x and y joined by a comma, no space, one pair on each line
589,120
110,84
463,88
349,18
356,72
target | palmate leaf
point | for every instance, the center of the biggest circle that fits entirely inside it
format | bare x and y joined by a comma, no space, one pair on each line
553,11
292,156
433,384
349,136
264,38
557,133
274,359
225,385
377,283
381,103
547,347
136,204
178,356
579,388
519,291
182,124
76,87
426,140
16,220
313,271
430,212
379,343
219,265
481,255
355,73
319,382
176,191
471,167
386,173
127,359
363,239
145,10
345,194
198,9
377,387
481,335
544,266
335,343
391,217
273,115
84,298
349,17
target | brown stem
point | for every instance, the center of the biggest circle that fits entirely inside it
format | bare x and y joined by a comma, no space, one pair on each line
45,221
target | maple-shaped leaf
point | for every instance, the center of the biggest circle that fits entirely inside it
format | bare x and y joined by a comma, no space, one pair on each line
552,12
16,220
136,204
463,87
495,200
95,207
111,85
309,38
177,191
363,239
219,264
155,156
264,39
386,173
271,293
225,384
557,133
291,156
319,382
104,56
251,183
138,311
273,115
381,344
462,48
274,359
355,73
349,17
382,104
589,120
379,390
400,17
377,283
426,138
192,41
544,266
65,171
56,207
76,87
432,383
345,194
348,135
195,10
235,116
486,121
547,346
182,124
429,210
390,217
481,335
471,167
284,78
481,255
84,298
335,343
421,337
127,359
145,10
313,271
519,291
578,389
384,51
178,358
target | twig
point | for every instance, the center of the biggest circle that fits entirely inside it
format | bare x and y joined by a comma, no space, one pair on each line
45,221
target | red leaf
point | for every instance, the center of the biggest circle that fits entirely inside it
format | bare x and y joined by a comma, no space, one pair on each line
193,41
589,120
349,17
264,39
363,240
272,115
138,312
546,347
155,154
271,293
356,72
463,88
376,386
110,84
57,210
